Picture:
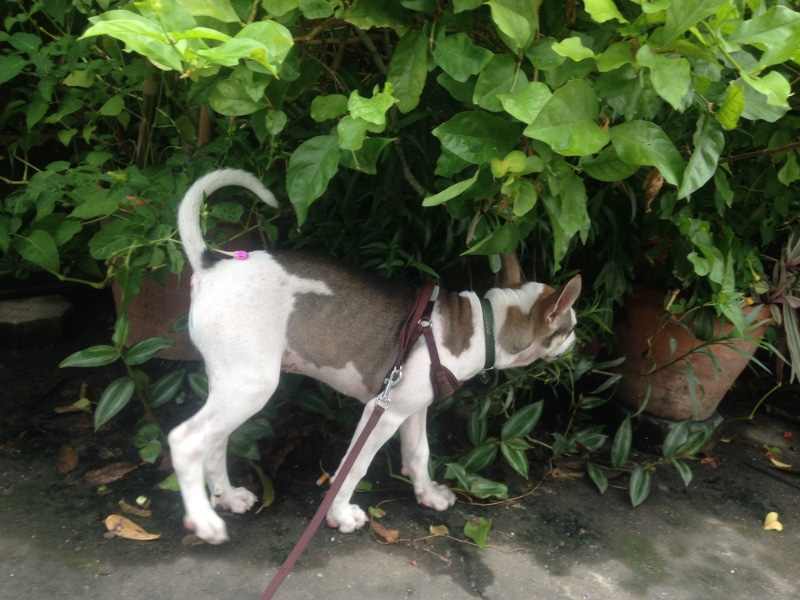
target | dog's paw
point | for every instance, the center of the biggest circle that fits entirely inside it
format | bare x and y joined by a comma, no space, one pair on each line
211,528
347,518
237,500
437,497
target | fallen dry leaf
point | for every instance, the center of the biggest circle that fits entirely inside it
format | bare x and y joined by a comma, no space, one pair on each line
709,461
67,459
771,523
439,530
559,473
390,536
134,510
779,464
125,528
109,473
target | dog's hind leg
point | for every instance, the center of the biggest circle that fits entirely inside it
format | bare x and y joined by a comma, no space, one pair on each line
415,452
198,448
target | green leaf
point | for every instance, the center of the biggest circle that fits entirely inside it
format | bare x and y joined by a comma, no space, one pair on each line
408,69
477,137
170,483
96,356
229,97
485,488
573,48
139,35
773,85
11,66
351,133
150,451
568,121
516,20
709,141
38,247
645,143
311,167
671,76
242,445
776,30
221,10
479,457
603,10
459,57
165,388
608,166
372,110
732,106
324,108
525,198
676,437
598,476
500,76
451,192
640,485
365,159
199,384
566,206
459,473
527,101
622,443
114,398
522,421
682,15
516,458
477,529
684,470
477,427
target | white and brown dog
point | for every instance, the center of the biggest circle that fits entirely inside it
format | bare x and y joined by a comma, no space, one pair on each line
274,311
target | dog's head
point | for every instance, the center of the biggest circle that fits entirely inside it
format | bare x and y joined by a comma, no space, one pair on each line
532,320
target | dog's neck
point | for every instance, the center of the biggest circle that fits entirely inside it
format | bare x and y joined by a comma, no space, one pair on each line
488,334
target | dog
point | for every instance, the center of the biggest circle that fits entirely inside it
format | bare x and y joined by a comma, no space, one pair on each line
287,311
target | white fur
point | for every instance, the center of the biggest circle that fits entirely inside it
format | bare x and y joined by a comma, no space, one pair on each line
238,321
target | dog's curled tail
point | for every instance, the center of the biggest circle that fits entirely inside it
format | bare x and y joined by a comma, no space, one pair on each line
189,211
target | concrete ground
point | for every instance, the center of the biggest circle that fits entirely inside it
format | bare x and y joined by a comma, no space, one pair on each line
559,539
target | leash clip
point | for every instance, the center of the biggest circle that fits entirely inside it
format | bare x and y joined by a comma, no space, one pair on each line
391,380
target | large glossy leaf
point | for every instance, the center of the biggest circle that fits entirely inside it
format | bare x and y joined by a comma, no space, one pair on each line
38,247
452,191
480,457
709,142
458,56
478,137
677,436
645,143
311,167
408,69
568,122
516,20
500,76
598,476
776,30
682,15
527,101
671,76
603,10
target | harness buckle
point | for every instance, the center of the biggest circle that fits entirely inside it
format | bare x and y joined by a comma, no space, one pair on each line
391,380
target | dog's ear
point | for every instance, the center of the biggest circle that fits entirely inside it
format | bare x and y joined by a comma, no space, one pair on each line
510,274
567,296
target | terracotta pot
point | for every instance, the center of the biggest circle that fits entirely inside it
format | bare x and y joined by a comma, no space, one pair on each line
651,363
154,310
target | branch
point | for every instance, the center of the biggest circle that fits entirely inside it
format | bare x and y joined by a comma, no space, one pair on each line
755,153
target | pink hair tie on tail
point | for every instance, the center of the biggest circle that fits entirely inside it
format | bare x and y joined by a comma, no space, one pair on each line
238,254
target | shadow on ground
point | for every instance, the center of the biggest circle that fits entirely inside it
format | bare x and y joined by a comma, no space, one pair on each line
558,540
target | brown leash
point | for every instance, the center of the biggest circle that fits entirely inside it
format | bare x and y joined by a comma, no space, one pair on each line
418,323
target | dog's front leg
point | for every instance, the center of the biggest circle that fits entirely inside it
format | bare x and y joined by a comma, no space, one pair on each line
343,515
416,452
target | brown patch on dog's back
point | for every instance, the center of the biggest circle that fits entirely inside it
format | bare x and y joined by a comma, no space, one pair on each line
458,322
359,323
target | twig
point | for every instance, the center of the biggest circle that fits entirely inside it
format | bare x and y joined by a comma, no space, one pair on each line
376,56
772,474
766,151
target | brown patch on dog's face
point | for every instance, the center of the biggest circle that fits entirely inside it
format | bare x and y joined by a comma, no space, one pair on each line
459,326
